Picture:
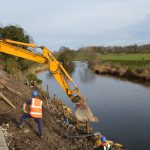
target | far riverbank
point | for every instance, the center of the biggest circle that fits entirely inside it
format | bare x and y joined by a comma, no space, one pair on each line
121,71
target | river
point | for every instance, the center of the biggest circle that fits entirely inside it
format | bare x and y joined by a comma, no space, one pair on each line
122,107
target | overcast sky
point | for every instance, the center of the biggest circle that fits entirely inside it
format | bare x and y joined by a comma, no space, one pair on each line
77,23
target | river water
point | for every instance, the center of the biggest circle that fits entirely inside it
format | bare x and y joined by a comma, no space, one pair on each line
122,107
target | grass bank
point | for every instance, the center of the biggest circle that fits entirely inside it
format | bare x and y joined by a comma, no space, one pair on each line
124,65
132,61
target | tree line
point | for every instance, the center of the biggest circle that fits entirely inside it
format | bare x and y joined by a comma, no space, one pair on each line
13,64
65,55
131,49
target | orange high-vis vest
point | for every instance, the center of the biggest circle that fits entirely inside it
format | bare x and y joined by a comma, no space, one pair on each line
36,108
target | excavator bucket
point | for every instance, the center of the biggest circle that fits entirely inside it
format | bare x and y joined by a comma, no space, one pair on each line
83,112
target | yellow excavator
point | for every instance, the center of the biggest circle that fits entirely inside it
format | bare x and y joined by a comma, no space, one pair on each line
82,111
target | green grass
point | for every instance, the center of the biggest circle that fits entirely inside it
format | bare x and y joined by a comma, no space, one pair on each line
132,61
126,57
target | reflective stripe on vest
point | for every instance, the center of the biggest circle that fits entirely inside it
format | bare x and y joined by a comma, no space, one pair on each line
106,146
36,108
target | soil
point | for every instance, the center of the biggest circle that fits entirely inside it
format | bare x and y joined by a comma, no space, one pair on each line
54,132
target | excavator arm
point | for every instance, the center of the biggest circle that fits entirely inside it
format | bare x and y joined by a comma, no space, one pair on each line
83,113
5,47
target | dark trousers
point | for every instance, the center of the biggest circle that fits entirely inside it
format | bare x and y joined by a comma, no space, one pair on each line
38,120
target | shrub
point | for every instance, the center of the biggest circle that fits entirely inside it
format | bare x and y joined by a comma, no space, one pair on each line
32,77
38,81
12,67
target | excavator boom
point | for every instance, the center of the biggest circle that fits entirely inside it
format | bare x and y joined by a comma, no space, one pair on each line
20,52
83,113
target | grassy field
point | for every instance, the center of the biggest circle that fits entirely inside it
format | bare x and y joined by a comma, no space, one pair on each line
132,61
126,57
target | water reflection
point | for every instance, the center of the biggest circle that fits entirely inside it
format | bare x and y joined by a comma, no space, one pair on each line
85,76
84,73
49,75
141,82
70,67
121,106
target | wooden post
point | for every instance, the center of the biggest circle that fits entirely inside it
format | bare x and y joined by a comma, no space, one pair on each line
48,96
87,127
12,90
43,95
54,96
27,82
7,101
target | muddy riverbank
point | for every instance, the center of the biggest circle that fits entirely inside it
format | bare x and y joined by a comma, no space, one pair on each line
55,136
115,101
141,73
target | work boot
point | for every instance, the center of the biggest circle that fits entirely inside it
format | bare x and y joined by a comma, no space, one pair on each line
41,136
20,127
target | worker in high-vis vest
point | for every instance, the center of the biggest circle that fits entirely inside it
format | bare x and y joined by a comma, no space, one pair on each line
103,144
34,112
